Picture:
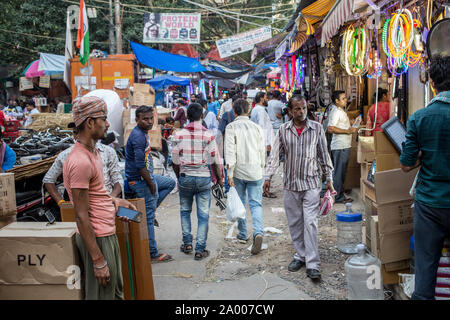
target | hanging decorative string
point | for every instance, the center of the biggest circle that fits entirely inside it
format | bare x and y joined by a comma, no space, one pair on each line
293,71
355,50
300,71
216,93
286,77
374,66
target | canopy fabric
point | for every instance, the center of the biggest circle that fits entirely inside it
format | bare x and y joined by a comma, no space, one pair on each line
32,70
166,80
226,75
310,15
338,15
184,49
51,63
165,61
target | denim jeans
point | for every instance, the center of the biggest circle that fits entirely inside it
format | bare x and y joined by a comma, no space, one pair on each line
143,191
165,186
254,190
200,187
431,226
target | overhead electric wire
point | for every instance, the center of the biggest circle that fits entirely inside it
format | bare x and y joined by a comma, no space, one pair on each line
47,37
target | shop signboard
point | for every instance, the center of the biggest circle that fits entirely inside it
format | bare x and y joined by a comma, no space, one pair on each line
243,41
172,27
280,50
25,84
44,82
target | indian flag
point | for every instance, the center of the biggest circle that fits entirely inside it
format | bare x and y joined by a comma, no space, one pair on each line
83,34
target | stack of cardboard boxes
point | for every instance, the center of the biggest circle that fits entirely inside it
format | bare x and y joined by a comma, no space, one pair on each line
8,209
389,215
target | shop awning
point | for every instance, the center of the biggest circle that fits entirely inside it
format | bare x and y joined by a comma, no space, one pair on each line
309,16
51,63
166,80
338,15
165,61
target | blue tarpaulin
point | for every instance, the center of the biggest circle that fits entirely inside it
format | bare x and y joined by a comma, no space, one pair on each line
165,61
166,80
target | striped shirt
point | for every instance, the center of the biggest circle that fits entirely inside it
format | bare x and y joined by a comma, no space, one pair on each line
306,156
194,149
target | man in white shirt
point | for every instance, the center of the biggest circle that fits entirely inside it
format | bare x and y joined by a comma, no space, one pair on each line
209,117
226,106
274,108
245,156
341,142
31,107
260,116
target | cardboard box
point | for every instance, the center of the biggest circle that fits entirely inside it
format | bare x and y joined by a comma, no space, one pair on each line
393,185
142,94
36,259
155,138
395,266
4,221
7,195
394,217
391,277
367,215
365,149
386,155
365,169
362,188
369,190
394,246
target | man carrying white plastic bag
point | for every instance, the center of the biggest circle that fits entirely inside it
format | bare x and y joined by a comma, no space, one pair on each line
245,155
235,208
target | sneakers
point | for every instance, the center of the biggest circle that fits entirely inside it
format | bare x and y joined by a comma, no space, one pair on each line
242,240
257,244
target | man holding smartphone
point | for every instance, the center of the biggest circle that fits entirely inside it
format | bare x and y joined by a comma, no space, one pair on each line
95,209
139,174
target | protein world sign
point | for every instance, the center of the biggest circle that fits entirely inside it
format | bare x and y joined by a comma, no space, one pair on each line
172,27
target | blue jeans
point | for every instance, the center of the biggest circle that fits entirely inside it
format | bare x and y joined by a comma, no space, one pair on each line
165,186
254,190
143,191
431,226
200,187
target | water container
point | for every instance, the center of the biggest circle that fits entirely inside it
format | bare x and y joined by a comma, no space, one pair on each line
363,275
349,230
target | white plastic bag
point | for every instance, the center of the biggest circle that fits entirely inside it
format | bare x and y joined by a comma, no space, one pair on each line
235,209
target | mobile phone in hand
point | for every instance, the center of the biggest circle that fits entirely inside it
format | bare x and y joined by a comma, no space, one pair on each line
132,215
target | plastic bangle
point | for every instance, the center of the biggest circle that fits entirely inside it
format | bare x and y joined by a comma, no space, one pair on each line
97,259
61,201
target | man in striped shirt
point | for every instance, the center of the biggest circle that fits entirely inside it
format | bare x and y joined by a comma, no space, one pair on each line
302,142
194,150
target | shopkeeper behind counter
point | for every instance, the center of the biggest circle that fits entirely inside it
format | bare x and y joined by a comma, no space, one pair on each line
7,155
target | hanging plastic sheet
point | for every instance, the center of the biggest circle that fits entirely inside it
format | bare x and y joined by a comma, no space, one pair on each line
165,61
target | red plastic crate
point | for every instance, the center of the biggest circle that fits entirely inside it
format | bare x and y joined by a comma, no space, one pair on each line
8,137
12,125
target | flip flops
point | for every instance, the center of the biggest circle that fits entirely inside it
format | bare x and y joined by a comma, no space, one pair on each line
269,195
162,257
201,255
186,248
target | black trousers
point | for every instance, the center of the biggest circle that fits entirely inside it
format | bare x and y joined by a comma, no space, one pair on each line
340,163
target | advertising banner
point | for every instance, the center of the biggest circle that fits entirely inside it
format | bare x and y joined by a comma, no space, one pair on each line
243,41
172,27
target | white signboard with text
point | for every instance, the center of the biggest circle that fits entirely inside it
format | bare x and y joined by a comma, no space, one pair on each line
243,41
172,27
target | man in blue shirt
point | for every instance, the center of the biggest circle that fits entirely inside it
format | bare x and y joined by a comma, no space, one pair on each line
213,106
428,145
140,177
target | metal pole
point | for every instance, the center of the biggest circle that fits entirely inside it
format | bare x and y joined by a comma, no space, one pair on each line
112,39
118,27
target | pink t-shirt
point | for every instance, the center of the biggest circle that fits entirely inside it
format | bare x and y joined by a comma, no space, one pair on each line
83,170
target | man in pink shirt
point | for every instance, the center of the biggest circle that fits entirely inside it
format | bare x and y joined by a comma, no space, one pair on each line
95,209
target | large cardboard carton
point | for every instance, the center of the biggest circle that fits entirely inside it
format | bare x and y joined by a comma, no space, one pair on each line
126,257
374,236
386,155
395,266
39,261
394,246
393,185
391,277
7,195
395,216
142,94
369,190
155,138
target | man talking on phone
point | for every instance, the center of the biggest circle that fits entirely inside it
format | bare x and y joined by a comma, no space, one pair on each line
95,209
